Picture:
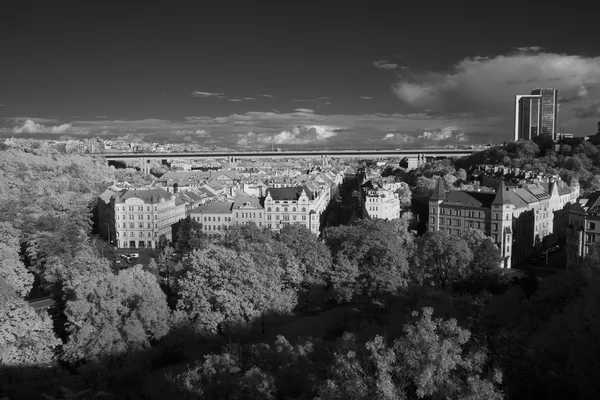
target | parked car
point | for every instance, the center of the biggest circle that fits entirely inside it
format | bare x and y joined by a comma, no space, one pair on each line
125,256
134,255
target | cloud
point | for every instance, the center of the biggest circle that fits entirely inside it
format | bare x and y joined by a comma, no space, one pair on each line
234,99
267,95
197,93
444,134
248,98
384,64
591,111
297,128
295,136
486,87
533,49
366,97
399,138
31,126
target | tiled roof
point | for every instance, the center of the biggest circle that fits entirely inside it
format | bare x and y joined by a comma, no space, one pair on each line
247,200
216,207
469,199
501,195
147,195
289,193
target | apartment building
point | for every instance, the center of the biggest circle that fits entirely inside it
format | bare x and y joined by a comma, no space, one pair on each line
137,218
248,210
295,205
583,231
519,219
215,218
379,202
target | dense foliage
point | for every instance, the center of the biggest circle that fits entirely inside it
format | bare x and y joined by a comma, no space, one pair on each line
367,311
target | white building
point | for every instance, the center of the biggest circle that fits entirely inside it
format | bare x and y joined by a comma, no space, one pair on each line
137,218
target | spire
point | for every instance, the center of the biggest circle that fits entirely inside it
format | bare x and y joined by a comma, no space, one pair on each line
574,182
501,195
438,193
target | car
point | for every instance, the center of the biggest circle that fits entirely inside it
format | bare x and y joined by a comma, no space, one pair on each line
125,256
134,255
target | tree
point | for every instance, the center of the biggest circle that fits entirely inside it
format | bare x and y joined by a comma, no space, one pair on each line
474,238
404,194
221,288
26,337
129,310
313,255
486,260
189,235
13,274
370,258
432,353
442,257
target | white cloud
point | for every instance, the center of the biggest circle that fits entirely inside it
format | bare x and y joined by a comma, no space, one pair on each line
533,49
267,95
444,134
384,64
234,99
30,126
388,136
197,93
304,110
296,136
486,87
366,97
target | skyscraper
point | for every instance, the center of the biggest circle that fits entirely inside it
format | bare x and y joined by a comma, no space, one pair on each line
536,114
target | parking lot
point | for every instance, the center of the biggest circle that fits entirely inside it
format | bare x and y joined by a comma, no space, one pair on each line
145,255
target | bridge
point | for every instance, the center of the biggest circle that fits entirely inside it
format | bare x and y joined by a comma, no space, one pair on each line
416,157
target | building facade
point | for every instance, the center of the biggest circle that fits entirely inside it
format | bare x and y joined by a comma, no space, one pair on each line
583,231
294,205
138,217
380,203
518,219
214,218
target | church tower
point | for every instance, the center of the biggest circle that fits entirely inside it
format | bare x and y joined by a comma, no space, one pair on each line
501,224
435,201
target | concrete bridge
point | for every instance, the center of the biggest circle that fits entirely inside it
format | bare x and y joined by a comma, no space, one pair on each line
416,157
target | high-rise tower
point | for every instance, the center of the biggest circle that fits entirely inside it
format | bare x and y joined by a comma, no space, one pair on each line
536,114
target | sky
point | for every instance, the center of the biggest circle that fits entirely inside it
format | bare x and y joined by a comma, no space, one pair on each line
325,75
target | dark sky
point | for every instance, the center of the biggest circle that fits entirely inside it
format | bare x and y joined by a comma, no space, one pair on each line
101,68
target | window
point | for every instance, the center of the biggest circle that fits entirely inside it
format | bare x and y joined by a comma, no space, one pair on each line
303,209
495,226
131,225
448,221
269,209
237,215
433,220
591,225
148,225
